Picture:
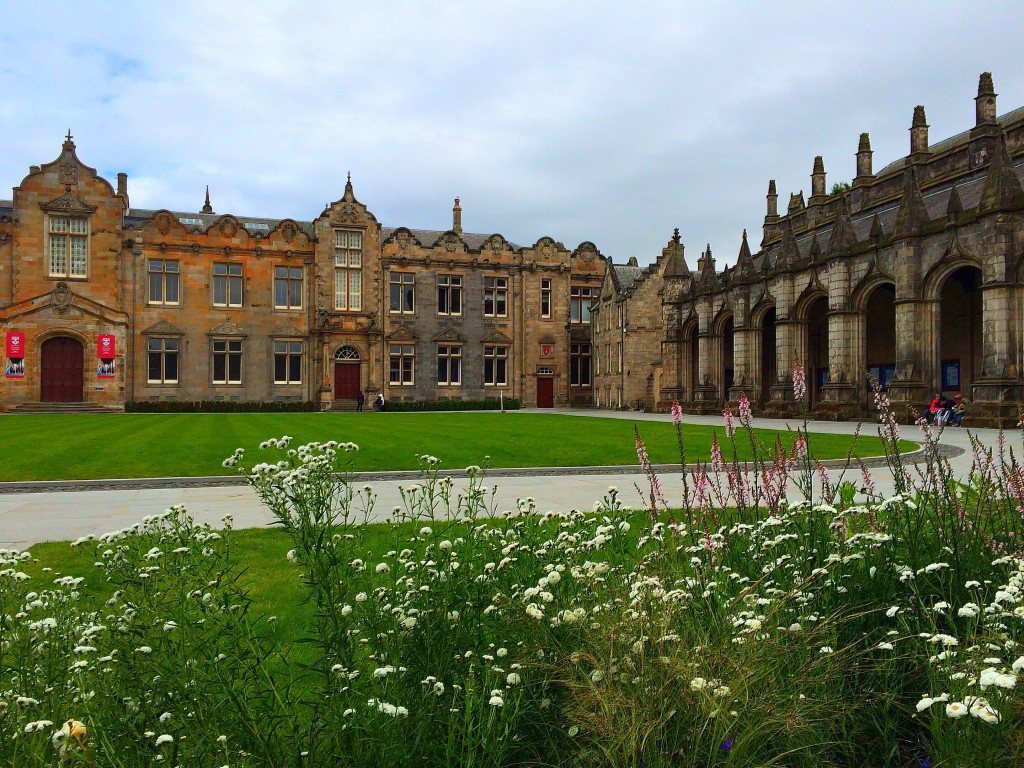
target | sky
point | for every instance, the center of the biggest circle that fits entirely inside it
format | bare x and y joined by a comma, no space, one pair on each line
582,120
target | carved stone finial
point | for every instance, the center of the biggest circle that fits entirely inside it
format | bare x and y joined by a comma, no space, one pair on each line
675,235
207,208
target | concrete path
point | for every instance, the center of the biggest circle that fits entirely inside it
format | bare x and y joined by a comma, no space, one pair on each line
52,515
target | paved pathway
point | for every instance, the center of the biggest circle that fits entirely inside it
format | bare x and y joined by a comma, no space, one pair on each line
48,513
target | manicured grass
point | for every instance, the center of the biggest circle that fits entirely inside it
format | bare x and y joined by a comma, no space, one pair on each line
57,447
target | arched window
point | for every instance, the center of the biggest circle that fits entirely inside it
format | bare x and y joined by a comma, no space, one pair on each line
347,353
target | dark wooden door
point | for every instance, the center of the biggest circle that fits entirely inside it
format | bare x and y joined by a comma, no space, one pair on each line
61,371
346,381
545,393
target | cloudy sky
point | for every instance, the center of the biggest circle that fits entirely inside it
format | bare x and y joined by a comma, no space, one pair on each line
584,120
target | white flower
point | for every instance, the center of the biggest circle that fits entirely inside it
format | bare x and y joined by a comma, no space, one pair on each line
956,709
496,701
596,676
892,611
382,568
165,717
164,738
573,730
969,610
513,678
993,677
170,626
361,597
698,684
346,610
143,649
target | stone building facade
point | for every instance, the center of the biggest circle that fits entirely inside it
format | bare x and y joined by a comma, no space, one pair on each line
914,275
105,304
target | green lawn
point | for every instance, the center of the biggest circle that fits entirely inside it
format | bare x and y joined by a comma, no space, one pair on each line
56,447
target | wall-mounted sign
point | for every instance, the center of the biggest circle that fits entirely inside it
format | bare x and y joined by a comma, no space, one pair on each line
15,355
105,351
545,350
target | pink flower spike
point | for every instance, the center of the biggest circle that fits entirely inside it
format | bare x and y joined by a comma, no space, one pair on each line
746,414
677,413
799,381
730,422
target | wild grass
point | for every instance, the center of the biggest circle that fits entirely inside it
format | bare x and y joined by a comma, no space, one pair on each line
845,630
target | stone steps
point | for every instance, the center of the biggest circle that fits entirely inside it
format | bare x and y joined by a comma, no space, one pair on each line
40,407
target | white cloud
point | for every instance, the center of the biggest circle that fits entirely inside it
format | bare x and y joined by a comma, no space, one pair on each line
580,120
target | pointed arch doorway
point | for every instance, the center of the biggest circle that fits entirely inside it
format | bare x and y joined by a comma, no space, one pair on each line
61,366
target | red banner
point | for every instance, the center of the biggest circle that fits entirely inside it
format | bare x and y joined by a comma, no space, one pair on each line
105,346
16,345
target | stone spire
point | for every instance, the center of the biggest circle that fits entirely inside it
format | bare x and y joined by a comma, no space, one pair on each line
985,101
207,208
457,218
843,235
954,207
818,178
877,233
913,214
790,250
675,260
743,260
919,132
864,172
1002,187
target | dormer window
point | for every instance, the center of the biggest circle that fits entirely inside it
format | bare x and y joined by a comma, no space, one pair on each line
69,246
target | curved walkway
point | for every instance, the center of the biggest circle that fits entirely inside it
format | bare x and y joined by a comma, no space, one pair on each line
63,510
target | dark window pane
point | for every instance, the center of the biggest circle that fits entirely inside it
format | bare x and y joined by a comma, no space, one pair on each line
294,369
171,366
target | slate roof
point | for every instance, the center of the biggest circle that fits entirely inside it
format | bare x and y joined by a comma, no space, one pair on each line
936,200
428,237
626,276
961,139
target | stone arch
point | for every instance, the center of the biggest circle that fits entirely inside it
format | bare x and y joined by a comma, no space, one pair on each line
862,291
935,278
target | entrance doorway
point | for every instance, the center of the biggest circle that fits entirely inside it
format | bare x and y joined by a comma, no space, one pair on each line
347,380
816,367
62,362
545,393
960,332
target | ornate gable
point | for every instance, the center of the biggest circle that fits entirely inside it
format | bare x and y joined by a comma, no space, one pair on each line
495,337
227,328
402,333
163,328
448,334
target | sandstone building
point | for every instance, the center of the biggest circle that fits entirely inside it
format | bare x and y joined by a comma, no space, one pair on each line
103,303
914,275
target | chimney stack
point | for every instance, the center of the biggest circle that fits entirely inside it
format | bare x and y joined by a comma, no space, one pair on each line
919,132
457,218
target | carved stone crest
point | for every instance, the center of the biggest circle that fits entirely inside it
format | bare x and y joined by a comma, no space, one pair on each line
228,227
497,243
288,232
347,212
67,172
403,240
450,243
163,223
61,297
4,237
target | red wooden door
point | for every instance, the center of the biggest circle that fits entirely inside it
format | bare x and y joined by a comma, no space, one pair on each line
346,381
61,371
545,393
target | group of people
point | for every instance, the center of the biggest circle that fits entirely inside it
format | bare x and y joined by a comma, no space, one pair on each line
378,402
945,410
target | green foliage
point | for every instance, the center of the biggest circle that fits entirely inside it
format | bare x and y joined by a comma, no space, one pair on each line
839,188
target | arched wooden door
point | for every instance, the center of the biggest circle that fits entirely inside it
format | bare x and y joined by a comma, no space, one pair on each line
62,364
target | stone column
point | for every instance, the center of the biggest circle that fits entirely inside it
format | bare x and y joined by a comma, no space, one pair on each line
845,364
